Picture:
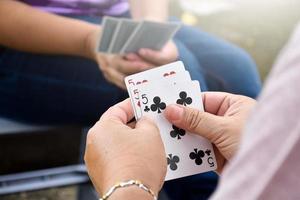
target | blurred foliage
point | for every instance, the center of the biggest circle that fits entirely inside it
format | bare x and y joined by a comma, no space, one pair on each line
262,27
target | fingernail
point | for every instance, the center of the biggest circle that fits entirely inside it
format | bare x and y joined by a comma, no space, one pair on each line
174,112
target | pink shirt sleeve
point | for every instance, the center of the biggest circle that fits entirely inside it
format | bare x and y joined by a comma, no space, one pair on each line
267,165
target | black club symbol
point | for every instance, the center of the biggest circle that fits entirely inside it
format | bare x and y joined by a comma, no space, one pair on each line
172,161
208,152
177,132
197,155
158,105
146,109
184,99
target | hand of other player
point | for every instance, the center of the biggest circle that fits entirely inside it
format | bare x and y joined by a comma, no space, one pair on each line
116,151
116,67
169,53
145,59
113,67
221,123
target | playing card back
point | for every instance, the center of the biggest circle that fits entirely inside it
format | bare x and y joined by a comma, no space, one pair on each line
122,33
109,25
151,35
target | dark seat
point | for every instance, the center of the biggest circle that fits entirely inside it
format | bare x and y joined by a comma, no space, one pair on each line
27,160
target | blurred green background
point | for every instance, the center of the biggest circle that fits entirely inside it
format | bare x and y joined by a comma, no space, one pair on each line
262,27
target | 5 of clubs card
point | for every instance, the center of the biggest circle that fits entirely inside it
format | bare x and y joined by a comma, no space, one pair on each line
186,153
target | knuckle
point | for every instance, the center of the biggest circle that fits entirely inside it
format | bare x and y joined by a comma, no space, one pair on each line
90,136
93,133
86,158
193,119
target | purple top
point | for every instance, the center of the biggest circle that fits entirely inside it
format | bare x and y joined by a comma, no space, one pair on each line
81,7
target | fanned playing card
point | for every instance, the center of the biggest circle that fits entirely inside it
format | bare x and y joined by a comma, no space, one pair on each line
109,25
166,72
122,36
122,33
150,92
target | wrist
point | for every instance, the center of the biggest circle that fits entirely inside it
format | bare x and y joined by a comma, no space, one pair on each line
134,190
91,41
131,192
131,171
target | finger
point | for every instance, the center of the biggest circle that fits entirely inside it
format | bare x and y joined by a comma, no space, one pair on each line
121,112
194,121
102,61
113,81
147,125
112,75
133,57
130,67
155,57
217,102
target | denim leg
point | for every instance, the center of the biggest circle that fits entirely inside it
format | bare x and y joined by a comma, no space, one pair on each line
225,66
53,89
191,64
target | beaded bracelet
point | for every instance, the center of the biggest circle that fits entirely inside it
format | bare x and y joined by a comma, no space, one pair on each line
127,184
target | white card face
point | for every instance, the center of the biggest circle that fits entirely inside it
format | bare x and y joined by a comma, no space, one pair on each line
163,72
174,79
151,35
109,26
187,153
122,33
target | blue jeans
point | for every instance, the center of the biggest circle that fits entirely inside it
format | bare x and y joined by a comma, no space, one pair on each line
68,89
224,66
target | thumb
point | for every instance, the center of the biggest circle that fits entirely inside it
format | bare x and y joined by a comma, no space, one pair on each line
194,121
147,125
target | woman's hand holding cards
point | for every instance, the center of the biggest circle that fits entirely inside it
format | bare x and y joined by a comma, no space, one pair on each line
124,47
221,123
107,63
117,67
113,67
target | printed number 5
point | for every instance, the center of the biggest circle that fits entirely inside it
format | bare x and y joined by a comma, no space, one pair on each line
145,99
130,81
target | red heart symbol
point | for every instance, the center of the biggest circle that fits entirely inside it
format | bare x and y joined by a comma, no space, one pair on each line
166,74
172,73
